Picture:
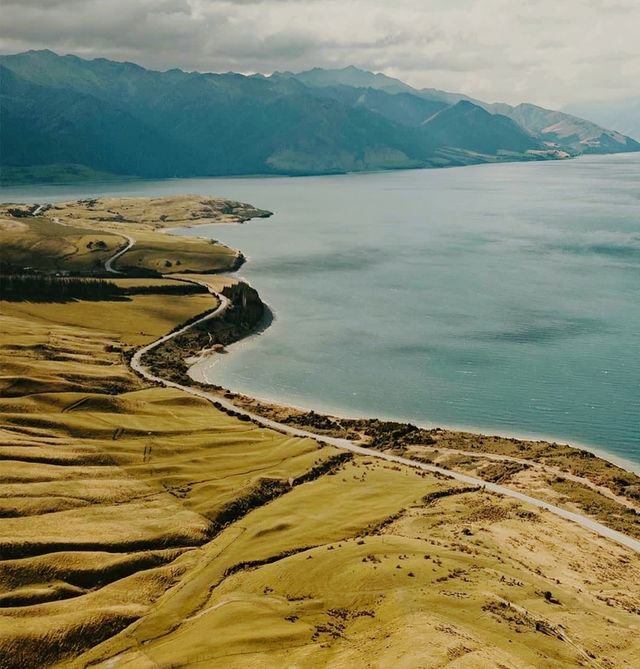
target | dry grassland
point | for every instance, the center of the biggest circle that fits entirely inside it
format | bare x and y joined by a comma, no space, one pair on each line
160,212
38,243
81,235
142,527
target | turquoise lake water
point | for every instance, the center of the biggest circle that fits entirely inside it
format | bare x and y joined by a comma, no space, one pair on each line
504,298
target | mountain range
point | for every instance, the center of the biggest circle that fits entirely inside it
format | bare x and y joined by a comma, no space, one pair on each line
67,115
624,115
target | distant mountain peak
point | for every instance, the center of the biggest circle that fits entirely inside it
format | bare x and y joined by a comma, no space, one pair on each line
349,76
42,52
467,104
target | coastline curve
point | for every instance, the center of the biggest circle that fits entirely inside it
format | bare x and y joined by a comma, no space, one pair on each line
346,444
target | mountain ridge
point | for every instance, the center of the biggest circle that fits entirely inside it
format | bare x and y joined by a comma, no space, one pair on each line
533,118
623,115
121,118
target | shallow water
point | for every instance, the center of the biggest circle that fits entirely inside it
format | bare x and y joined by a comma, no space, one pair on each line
498,297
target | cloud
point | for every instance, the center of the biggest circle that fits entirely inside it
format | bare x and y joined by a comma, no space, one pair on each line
542,51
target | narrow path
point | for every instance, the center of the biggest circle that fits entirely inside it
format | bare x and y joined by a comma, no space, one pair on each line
540,466
348,445
136,359
108,265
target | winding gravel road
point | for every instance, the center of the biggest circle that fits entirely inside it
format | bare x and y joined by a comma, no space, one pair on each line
347,445
108,265
136,359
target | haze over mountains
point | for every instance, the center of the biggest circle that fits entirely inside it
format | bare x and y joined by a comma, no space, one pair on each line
119,118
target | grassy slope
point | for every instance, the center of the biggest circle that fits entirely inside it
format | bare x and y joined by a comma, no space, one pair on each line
557,473
40,244
159,253
110,500
349,595
568,477
133,326
92,478
162,212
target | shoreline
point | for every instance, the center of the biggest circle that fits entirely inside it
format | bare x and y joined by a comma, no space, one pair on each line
129,179
364,441
198,364
248,316
197,372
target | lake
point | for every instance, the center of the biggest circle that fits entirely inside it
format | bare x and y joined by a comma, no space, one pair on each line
502,298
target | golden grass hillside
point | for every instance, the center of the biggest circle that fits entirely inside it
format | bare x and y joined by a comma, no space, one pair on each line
167,254
145,218
141,527
39,244
159,212
80,236
571,478
103,480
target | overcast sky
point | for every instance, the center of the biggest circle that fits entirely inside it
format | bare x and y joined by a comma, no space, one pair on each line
550,52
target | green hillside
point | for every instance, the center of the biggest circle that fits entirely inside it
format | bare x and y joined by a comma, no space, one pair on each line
474,129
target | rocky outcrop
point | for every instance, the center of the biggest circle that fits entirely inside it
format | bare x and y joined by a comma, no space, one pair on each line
244,314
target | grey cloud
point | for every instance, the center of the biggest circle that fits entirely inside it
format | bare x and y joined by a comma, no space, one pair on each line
41,4
545,52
